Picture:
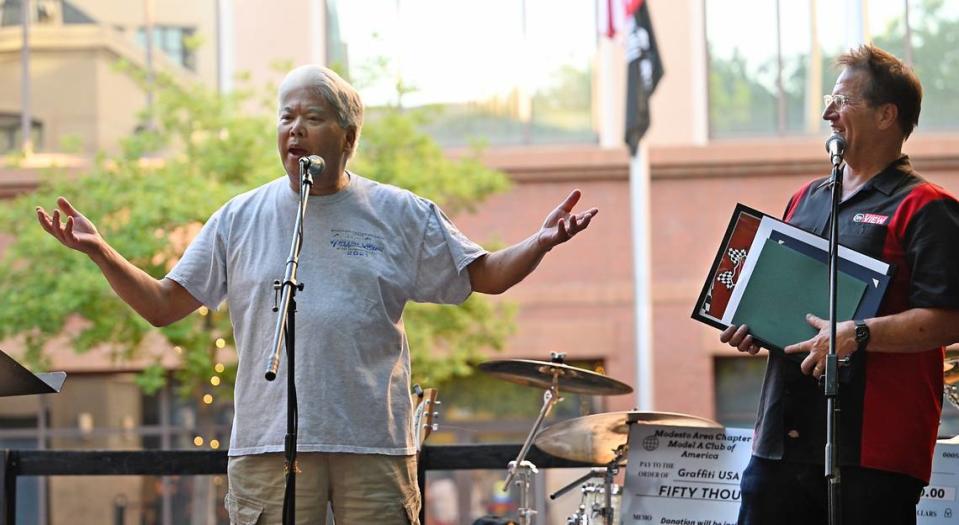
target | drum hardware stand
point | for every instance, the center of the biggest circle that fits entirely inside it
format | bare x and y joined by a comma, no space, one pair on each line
607,473
524,479
522,468
580,517
550,375
584,513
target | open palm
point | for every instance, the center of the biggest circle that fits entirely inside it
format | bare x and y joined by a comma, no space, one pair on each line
76,231
561,224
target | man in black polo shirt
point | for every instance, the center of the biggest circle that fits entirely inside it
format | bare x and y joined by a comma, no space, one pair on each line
891,391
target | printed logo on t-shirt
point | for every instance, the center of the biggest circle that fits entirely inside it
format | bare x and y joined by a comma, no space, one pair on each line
356,244
870,218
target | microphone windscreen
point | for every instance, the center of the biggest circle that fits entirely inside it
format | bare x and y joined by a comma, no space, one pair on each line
317,165
836,144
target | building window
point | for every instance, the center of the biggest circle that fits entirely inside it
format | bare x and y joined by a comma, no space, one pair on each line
737,382
44,12
11,136
770,80
173,41
501,71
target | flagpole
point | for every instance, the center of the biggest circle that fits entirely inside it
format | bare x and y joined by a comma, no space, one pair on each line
644,70
640,221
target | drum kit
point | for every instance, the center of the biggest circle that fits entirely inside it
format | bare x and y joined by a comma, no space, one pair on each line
599,439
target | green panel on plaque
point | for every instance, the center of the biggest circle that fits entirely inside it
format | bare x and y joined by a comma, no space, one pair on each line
786,285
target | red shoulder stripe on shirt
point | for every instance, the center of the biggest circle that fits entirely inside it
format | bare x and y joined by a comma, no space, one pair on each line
919,197
794,201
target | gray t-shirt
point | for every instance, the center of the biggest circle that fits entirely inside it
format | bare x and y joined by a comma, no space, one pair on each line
367,250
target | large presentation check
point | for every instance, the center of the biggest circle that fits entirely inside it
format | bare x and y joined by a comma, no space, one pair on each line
690,476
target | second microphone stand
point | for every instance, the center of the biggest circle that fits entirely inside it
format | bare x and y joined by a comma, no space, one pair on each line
286,309
831,382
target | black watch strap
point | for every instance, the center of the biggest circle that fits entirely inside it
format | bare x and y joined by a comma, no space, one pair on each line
862,335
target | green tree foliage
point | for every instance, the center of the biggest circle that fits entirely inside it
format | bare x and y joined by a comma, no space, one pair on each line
935,51
742,103
195,150
738,102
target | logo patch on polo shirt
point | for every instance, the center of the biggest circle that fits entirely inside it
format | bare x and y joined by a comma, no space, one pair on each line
870,218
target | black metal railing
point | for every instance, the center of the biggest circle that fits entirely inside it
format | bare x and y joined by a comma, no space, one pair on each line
18,463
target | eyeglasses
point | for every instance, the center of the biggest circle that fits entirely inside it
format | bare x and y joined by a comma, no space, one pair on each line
839,100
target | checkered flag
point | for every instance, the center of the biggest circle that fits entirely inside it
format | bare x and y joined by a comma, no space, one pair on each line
727,279
736,256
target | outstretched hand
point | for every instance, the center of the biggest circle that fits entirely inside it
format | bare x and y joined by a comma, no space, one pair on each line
561,224
77,232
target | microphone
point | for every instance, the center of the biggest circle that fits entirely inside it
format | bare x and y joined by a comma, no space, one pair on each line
836,147
312,164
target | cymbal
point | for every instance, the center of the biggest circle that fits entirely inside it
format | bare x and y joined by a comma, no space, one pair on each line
540,374
950,366
950,376
595,438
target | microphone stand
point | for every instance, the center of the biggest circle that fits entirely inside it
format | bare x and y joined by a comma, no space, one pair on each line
831,383
285,331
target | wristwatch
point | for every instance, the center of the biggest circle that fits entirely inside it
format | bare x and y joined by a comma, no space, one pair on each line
862,335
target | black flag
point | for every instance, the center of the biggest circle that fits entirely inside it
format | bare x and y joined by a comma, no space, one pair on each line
643,72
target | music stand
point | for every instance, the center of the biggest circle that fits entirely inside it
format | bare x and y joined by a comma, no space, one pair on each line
15,380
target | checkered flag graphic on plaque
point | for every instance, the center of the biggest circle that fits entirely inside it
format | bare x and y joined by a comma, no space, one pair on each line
728,278
736,256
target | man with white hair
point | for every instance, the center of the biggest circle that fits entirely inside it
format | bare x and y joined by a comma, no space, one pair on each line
368,249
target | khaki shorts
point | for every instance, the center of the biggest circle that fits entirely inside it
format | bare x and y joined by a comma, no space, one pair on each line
362,488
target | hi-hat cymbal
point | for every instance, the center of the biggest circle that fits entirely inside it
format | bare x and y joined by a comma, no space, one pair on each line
595,438
540,373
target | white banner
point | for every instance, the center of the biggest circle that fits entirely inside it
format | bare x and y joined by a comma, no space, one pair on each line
938,505
684,476
690,476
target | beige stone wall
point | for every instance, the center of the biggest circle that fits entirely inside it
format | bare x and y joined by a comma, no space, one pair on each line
128,16
265,34
64,97
76,92
119,100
